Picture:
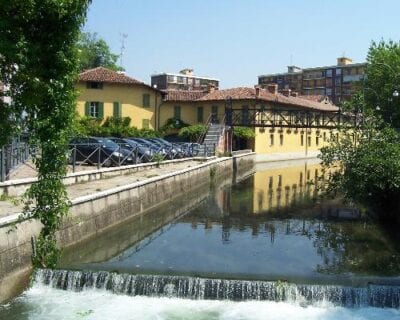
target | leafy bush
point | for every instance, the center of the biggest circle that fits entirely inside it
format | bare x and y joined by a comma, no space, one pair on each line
173,123
367,169
243,132
112,127
194,132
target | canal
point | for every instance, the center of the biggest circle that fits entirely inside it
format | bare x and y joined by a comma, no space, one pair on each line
264,247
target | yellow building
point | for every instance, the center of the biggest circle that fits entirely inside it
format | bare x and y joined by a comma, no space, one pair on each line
197,107
104,93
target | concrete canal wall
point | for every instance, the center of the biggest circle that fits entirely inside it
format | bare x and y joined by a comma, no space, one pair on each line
92,214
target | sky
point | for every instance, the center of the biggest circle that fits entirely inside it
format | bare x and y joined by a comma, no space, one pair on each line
235,41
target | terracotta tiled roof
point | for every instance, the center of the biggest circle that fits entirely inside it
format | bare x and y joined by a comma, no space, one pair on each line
245,93
101,74
317,98
183,95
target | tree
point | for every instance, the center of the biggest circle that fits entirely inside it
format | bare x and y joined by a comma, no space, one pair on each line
364,167
39,64
383,79
95,52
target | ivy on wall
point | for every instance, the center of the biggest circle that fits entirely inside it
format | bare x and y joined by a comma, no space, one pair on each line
39,65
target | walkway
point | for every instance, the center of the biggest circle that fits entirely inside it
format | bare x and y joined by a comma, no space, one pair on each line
9,206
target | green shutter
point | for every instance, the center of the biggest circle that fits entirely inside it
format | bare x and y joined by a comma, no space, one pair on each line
146,100
101,110
117,110
87,109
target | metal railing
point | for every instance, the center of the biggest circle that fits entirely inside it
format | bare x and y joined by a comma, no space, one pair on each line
11,157
101,156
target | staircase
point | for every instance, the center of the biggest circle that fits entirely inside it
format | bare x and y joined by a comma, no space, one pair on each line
211,139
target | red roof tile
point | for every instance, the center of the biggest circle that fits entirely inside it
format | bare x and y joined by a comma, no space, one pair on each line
101,74
183,95
245,93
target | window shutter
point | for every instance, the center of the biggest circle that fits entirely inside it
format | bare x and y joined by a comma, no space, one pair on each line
101,110
146,100
117,110
87,109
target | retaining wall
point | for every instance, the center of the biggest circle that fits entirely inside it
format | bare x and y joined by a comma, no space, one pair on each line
95,213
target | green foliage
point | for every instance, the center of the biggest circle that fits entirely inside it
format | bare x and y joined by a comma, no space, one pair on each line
39,63
173,123
366,167
243,132
112,127
383,78
194,132
95,52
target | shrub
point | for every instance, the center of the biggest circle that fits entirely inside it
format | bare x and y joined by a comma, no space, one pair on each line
194,132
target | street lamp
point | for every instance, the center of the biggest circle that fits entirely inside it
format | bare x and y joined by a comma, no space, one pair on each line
395,93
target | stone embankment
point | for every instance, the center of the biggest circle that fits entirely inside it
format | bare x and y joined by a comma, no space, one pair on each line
103,199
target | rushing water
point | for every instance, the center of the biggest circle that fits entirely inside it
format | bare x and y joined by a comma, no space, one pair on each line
264,248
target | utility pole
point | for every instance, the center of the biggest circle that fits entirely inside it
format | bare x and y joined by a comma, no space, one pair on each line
123,38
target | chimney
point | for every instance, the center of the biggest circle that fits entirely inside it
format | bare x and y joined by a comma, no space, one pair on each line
258,90
286,92
186,72
294,94
272,88
210,88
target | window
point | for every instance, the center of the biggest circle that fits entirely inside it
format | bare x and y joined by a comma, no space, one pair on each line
94,109
302,139
214,114
200,114
177,112
146,123
245,115
94,85
281,139
324,135
146,100
301,179
329,73
271,139
280,181
317,141
117,112
270,182
309,141
338,71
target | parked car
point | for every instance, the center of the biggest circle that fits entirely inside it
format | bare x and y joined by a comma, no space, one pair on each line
154,147
97,150
173,151
144,154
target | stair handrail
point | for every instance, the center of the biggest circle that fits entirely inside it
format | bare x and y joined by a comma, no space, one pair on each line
207,124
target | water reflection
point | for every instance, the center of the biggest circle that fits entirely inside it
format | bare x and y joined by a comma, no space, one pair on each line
269,226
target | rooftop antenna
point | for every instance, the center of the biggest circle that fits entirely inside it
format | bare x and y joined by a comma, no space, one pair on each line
123,38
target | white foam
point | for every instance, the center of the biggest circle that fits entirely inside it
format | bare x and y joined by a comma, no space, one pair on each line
45,303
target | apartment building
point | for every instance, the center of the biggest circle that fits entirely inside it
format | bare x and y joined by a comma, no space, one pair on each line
184,80
337,82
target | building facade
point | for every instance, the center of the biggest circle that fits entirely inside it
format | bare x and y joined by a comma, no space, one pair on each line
105,93
184,80
337,82
198,107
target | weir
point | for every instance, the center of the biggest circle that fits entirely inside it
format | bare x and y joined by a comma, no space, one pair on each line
380,296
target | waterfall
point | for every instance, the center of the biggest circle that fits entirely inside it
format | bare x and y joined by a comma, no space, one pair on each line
221,289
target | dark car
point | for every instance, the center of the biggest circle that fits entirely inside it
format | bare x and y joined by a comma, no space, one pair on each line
175,149
102,151
157,149
144,154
